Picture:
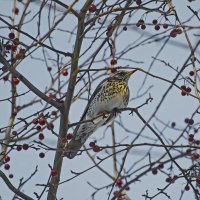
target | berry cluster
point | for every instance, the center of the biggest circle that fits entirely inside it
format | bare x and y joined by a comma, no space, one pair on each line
185,90
189,121
6,165
95,147
12,46
157,26
154,170
171,179
141,24
175,32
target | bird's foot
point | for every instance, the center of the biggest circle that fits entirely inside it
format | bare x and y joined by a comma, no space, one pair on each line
116,111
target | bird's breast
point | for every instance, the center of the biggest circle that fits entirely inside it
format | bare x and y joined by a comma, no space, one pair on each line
112,95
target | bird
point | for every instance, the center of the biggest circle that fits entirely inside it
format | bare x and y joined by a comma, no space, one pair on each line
110,95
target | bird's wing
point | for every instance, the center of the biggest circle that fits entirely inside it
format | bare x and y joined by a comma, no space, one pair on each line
98,88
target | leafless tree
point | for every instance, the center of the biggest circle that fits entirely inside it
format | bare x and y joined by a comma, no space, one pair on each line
54,53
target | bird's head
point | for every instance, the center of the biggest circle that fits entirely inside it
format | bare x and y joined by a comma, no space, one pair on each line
123,75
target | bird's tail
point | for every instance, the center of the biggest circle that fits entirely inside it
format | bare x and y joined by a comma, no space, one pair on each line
82,132
73,148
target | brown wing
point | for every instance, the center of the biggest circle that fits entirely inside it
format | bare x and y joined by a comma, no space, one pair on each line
98,88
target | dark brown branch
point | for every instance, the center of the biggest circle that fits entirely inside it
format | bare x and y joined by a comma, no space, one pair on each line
8,67
58,160
35,40
11,187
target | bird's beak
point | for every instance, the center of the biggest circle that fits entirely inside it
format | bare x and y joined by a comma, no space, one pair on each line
130,73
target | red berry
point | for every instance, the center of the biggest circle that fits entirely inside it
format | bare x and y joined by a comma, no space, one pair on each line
42,121
173,33
69,136
197,142
191,73
11,176
113,61
161,166
92,8
54,172
127,188
14,133
119,182
41,136
174,178
35,121
42,155
50,126
5,78
25,146
49,68
198,180
191,135
154,22
14,48
165,26
54,113
6,166
187,120
183,93
16,10
38,128
187,187
190,139
124,28
173,124
143,26
141,22
188,151
8,47
116,193
96,148
52,95
191,122
92,144
15,81
154,170
138,2
7,158
183,87
195,156
64,72
178,31
11,35
157,27
188,89
168,179
19,147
